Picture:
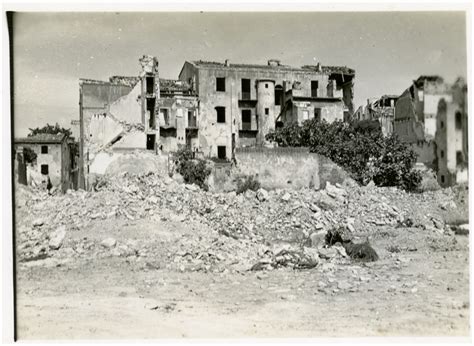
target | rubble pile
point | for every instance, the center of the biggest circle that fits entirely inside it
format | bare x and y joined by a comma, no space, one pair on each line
244,228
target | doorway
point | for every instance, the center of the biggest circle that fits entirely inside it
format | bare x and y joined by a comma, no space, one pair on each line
150,142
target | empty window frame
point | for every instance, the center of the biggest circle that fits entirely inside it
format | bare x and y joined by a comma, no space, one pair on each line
165,115
459,158
220,114
246,119
278,95
221,152
458,120
245,89
220,83
317,114
267,111
44,149
150,81
44,169
314,88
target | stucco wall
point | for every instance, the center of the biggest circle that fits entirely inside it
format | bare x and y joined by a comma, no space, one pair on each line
53,159
103,129
131,140
288,167
213,134
128,108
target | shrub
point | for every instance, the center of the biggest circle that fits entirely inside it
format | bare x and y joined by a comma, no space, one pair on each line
194,171
245,183
29,155
360,148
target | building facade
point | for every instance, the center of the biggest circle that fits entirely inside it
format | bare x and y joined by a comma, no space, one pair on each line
121,112
415,115
240,103
452,137
53,159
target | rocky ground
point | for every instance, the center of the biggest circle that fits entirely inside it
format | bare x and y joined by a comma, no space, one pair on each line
147,257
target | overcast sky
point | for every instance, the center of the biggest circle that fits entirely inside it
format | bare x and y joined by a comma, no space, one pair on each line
387,49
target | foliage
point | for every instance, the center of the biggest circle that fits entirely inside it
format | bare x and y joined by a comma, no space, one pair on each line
194,171
54,130
360,148
245,183
29,155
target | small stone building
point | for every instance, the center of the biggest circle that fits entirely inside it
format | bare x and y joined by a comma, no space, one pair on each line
53,158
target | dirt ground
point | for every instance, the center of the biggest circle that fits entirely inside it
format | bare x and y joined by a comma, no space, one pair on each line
422,289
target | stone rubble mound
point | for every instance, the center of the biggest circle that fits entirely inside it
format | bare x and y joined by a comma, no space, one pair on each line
252,230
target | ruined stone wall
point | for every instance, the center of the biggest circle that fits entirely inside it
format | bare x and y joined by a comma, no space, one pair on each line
406,123
288,167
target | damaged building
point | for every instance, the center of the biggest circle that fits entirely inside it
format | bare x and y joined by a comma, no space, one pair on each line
212,108
380,109
240,103
452,137
415,115
54,161
120,114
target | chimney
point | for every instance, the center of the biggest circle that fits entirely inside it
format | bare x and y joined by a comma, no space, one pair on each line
318,67
226,63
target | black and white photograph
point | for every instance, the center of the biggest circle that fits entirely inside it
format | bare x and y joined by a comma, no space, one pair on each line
213,174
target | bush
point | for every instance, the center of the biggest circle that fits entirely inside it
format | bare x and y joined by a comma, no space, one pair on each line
361,149
247,183
29,155
194,171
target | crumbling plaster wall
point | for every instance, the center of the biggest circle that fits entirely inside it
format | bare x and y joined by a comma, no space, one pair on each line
128,108
53,159
131,141
330,111
103,129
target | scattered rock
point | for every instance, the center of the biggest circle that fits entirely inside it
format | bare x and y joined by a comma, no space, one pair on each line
108,243
57,237
262,195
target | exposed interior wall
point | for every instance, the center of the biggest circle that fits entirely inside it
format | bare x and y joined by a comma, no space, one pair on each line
128,107
103,129
131,140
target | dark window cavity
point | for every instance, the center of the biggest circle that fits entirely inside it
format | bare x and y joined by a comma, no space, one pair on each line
44,149
220,114
221,152
44,169
314,88
220,83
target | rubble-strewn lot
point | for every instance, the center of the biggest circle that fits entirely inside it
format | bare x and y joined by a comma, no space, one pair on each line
145,256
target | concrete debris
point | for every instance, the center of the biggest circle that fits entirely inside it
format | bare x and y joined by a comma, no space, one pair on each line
56,239
108,243
262,195
233,232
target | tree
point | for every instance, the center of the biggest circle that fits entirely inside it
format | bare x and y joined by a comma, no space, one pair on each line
361,149
54,130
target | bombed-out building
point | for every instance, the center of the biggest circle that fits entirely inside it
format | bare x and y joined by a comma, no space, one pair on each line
240,103
121,112
54,160
452,137
212,108
415,115
383,110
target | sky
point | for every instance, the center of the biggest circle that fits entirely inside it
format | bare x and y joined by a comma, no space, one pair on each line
388,50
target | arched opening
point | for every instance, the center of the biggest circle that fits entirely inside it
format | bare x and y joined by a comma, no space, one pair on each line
278,95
